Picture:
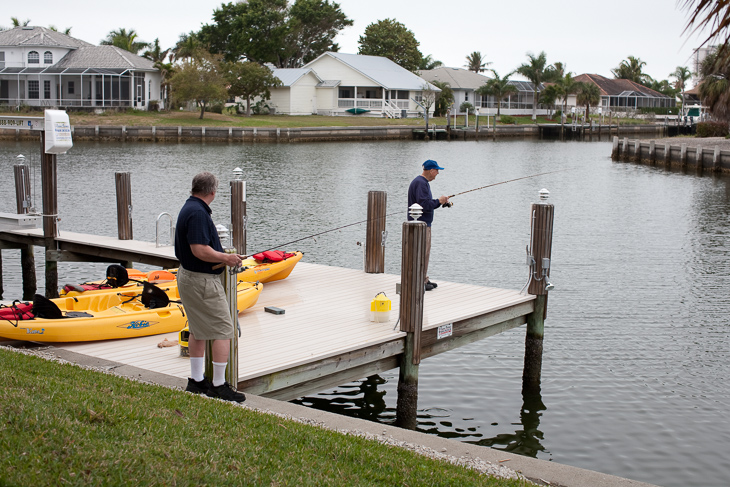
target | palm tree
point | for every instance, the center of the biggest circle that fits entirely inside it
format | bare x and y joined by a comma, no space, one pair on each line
499,88
124,40
188,46
682,74
475,62
565,87
630,68
427,62
445,98
588,95
715,85
17,23
534,70
66,31
549,96
157,55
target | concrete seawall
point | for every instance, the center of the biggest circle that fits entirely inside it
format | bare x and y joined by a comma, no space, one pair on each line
701,155
304,134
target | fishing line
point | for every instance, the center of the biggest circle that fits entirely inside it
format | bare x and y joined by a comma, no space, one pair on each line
400,212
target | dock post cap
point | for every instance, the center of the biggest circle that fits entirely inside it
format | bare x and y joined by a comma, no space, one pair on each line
20,158
415,211
222,232
544,194
238,172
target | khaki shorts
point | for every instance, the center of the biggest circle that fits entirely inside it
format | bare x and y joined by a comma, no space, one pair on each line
206,306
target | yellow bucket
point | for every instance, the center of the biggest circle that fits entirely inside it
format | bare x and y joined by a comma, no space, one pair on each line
380,308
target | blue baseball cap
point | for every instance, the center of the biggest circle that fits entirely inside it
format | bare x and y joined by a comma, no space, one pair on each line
431,164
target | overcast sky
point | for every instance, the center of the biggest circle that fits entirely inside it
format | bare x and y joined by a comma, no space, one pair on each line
586,35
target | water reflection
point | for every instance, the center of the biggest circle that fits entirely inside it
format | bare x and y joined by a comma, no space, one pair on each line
366,400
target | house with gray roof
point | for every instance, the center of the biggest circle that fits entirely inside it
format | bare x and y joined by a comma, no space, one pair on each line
349,85
41,67
464,84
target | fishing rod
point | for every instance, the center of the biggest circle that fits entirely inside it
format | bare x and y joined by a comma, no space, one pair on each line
446,205
450,204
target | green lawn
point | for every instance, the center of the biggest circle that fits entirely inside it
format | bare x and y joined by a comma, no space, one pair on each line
64,425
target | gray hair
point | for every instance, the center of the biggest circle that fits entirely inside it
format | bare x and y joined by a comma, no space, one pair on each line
204,184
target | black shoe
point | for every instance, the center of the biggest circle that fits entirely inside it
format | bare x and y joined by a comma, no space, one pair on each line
429,286
198,387
225,392
433,284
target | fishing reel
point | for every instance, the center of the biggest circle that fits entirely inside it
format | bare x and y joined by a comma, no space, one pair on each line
448,204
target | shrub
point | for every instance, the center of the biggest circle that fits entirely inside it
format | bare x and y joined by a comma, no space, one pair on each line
216,108
712,129
466,105
154,106
507,119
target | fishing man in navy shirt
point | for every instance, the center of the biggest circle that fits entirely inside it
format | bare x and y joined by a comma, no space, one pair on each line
420,192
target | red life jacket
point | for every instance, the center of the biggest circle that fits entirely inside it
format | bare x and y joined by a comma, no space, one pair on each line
272,256
16,311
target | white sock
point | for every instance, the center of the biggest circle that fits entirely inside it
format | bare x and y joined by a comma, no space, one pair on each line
219,373
197,368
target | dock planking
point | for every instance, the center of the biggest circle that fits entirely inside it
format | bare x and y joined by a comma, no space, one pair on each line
326,338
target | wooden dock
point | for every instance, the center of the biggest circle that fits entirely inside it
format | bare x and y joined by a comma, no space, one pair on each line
325,337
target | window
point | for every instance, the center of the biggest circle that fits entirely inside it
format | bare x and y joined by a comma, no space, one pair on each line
33,90
33,57
70,87
48,57
418,97
346,93
47,89
2,59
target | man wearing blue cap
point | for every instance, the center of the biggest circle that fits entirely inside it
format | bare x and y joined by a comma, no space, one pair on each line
420,192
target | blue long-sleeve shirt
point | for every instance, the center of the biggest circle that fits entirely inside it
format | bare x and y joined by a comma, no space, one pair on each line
420,192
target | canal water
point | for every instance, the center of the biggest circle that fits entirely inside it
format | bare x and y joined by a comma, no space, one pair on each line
637,338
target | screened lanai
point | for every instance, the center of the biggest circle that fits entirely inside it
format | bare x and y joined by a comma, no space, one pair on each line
522,100
71,87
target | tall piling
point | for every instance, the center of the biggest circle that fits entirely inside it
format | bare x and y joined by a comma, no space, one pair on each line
49,183
541,238
22,188
413,270
238,215
375,233
123,183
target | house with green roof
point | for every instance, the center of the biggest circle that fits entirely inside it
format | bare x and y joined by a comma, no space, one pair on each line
44,68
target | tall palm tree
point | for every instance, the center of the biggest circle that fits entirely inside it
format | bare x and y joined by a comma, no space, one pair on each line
499,88
565,87
66,31
630,68
682,75
534,70
588,95
157,55
475,62
188,46
124,40
549,96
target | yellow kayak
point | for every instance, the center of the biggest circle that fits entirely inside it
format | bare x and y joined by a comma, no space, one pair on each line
252,270
110,315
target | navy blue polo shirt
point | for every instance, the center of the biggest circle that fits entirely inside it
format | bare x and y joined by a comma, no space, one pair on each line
195,226
420,192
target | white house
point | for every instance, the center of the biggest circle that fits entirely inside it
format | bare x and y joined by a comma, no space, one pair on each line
350,84
464,84
41,67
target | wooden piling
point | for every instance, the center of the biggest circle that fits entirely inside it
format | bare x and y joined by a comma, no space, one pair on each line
699,163
541,251
2,290
49,183
238,215
230,282
375,233
411,320
27,268
22,188
625,149
123,181
667,150
637,151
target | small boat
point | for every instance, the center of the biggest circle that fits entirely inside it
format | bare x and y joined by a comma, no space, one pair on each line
105,316
357,110
252,270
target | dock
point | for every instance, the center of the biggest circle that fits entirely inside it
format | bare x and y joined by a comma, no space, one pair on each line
325,337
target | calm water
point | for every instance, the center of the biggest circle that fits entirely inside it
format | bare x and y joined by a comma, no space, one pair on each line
637,341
